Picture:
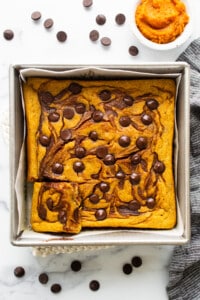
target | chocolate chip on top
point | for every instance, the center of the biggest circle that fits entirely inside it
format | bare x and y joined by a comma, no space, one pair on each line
75,88
78,166
94,198
124,141
159,167
97,116
135,158
53,117
66,135
100,214
68,113
105,95
128,100
141,142
150,202
124,121
46,97
109,160
93,135
120,175
58,168
152,104
80,108
104,186
134,205
101,151
134,178
62,216
44,140
146,119
80,152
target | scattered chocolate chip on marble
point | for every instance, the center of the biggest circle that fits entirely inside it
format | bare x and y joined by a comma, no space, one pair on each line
8,34
100,19
87,3
61,36
48,23
133,50
36,15
106,41
127,268
94,35
43,278
136,261
120,19
94,285
19,271
56,288
76,265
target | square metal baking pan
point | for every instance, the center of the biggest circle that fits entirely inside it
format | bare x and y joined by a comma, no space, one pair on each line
22,235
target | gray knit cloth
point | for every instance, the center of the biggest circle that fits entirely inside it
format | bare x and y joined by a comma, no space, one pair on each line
184,269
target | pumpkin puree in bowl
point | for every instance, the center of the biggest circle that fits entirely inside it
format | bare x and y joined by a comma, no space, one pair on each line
161,21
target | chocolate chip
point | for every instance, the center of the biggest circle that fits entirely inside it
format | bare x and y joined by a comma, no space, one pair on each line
8,34
57,168
46,97
134,178
94,285
109,160
80,152
19,271
61,36
93,135
94,198
150,202
152,104
133,50
78,166
134,205
56,288
136,261
53,117
124,121
97,116
48,23
42,212
44,140
36,15
68,113
76,214
76,265
101,151
95,176
146,119
43,278
100,214
135,159
100,19
94,35
66,135
127,269
159,167
120,175
106,41
75,88
87,3
80,108
62,216
141,142
104,186
105,95
124,141
128,100
49,203
120,19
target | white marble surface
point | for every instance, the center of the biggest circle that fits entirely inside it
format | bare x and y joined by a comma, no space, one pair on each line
33,44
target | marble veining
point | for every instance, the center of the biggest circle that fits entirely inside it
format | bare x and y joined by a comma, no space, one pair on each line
32,43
